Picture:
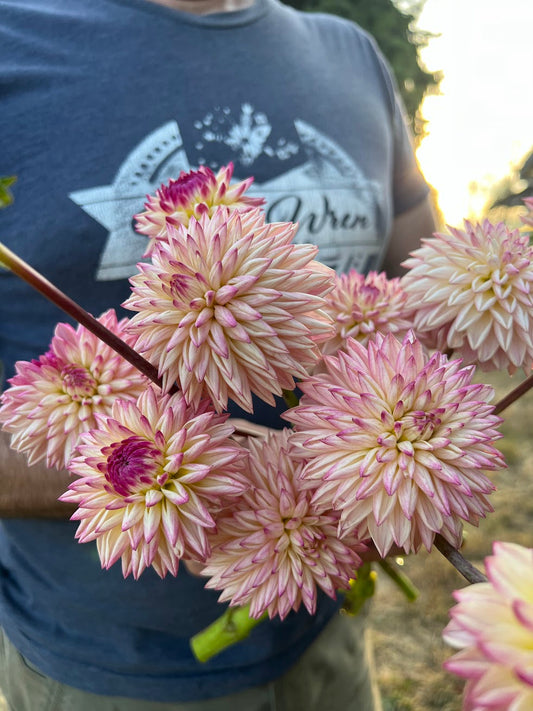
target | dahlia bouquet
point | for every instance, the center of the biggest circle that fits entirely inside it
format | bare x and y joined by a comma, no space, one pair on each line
387,444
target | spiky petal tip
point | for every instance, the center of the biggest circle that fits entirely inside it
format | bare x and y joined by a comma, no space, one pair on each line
230,307
471,292
273,550
151,475
193,194
361,306
53,399
492,626
397,442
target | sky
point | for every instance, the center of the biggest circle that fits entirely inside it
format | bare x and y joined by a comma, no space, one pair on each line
481,124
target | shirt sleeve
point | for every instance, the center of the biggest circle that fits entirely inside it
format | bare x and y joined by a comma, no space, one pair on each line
408,183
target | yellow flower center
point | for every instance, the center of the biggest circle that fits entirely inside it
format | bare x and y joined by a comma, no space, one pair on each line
78,382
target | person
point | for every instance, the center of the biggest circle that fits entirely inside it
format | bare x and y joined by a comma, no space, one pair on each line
103,101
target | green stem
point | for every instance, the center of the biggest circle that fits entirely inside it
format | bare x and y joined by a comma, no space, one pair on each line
361,589
291,399
231,627
400,579
70,307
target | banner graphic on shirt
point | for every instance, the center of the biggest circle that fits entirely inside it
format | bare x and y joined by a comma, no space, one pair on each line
336,206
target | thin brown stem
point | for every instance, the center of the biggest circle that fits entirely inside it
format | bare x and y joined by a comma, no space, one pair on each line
511,397
23,270
459,562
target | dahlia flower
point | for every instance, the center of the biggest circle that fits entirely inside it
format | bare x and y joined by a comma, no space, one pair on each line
273,550
52,400
229,307
193,194
397,441
492,625
528,219
151,475
361,305
472,292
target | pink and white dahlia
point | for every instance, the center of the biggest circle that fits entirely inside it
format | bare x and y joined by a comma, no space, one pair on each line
472,292
273,550
229,307
52,400
151,475
193,194
362,305
528,219
397,442
492,625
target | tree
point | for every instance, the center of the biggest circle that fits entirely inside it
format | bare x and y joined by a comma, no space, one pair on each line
393,26
512,191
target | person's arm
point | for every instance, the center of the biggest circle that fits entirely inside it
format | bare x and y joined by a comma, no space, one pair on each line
30,492
407,231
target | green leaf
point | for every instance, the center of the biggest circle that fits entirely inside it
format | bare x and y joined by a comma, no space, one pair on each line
6,198
361,589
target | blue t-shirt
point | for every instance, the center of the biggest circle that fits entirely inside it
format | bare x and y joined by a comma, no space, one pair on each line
102,101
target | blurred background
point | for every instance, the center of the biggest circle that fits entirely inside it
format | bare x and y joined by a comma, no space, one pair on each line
477,150
463,68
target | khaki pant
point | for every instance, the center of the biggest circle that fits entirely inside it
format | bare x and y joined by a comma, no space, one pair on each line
334,674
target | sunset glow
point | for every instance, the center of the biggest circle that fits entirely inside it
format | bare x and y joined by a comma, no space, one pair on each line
481,124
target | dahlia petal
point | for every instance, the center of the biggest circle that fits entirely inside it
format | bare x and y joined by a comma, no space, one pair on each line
492,625
507,570
153,497
199,516
130,496
132,515
111,547
382,537
151,521
465,289
396,441
382,505
408,497
71,374
525,674
273,549
109,519
177,496
219,278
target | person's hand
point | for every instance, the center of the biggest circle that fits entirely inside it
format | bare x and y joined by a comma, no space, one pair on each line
243,429
30,492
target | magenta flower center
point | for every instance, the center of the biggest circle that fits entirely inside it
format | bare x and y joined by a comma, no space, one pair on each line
78,382
370,294
425,423
180,285
132,463
180,192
